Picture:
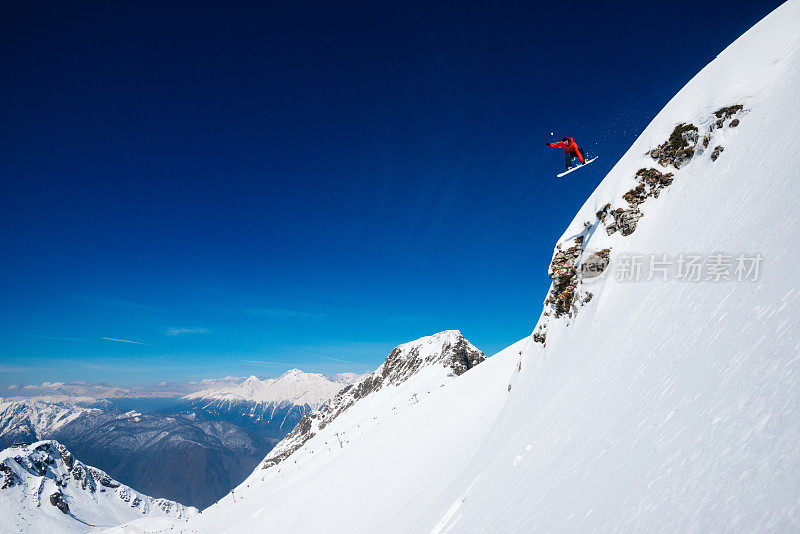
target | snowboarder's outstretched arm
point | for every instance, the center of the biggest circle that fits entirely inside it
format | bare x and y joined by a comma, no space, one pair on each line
559,144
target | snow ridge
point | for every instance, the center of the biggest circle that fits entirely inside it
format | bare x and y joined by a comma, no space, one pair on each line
447,350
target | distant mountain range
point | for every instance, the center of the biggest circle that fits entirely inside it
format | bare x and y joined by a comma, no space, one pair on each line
192,449
292,387
270,407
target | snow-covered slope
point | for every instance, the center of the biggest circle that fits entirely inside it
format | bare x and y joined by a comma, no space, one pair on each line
669,406
651,405
43,488
292,387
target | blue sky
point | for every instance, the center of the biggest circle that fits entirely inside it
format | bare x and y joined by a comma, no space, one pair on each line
202,189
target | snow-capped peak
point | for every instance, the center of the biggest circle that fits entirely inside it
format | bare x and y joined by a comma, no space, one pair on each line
293,386
293,373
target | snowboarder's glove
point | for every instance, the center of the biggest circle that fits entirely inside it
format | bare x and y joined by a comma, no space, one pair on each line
547,144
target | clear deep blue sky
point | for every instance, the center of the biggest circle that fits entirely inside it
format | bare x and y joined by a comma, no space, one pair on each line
244,188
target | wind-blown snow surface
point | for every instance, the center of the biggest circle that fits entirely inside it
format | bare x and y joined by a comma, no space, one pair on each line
661,406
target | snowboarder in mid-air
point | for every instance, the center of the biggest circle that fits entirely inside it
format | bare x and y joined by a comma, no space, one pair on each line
571,149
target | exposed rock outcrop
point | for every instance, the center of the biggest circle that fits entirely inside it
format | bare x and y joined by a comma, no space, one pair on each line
66,456
726,113
572,263
722,115
565,278
626,220
679,148
9,478
567,268
57,500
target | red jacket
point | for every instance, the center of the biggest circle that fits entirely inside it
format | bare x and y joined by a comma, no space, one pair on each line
569,147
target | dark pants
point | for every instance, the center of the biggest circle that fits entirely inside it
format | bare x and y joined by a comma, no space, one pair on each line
570,155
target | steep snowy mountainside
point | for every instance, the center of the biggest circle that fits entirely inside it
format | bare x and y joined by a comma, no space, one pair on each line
446,353
43,488
667,404
690,149
293,387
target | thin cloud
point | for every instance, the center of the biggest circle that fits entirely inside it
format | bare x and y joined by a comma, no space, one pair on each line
323,356
184,331
339,360
123,340
290,314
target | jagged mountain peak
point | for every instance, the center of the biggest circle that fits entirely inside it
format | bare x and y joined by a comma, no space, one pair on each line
295,372
438,337
448,347
43,487
447,353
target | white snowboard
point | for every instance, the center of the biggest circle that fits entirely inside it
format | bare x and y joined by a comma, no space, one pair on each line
588,161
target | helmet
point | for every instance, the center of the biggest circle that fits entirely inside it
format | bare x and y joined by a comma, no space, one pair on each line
565,138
